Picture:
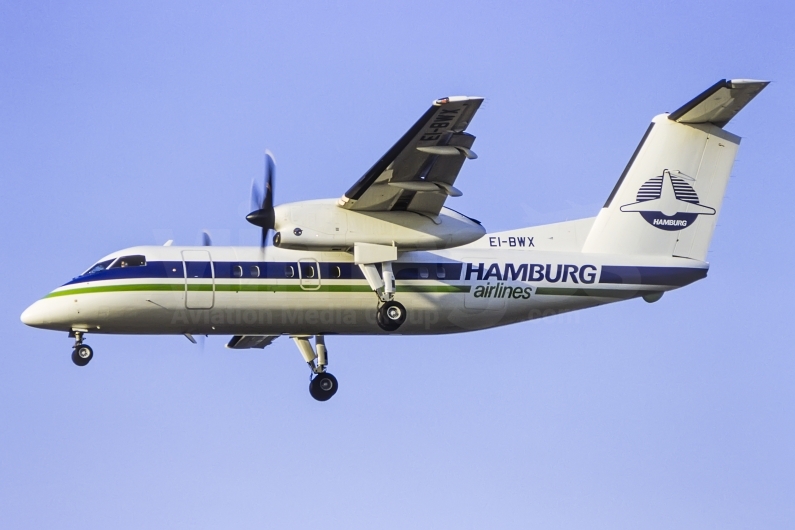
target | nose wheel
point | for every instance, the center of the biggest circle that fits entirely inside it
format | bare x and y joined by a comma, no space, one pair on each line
81,353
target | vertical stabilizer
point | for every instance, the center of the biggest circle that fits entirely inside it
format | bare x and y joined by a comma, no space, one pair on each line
668,198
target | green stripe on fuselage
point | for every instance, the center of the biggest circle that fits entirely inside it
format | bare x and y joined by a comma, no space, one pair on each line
254,287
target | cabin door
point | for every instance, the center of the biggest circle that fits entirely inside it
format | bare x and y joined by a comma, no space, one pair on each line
309,271
199,279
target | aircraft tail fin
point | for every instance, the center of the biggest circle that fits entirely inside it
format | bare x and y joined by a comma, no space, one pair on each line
668,198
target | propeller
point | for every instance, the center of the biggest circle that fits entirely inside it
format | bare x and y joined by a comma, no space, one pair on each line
206,242
262,201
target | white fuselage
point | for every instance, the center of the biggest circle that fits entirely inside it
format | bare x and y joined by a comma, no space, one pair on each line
272,291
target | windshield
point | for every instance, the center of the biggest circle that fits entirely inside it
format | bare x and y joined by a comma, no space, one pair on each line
129,261
117,263
101,266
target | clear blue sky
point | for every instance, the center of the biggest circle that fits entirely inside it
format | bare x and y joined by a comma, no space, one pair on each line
133,123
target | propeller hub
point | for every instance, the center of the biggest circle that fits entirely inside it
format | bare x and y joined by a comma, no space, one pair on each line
264,218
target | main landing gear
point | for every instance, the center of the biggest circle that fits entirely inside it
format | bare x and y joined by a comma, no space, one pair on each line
390,313
323,385
81,353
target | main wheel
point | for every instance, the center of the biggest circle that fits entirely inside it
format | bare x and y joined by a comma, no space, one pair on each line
323,386
82,355
391,315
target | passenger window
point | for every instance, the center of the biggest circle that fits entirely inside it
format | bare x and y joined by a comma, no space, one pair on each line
335,272
129,261
423,272
289,271
308,271
254,271
237,271
440,272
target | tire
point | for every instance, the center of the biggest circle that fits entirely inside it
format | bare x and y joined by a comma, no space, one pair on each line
82,355
391,316
323,387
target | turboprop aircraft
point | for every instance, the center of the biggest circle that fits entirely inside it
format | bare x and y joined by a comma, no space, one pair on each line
389,258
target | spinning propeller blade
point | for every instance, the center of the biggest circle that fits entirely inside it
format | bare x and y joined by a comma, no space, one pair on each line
256,196
262,201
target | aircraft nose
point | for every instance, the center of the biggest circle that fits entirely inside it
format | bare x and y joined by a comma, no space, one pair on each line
35,315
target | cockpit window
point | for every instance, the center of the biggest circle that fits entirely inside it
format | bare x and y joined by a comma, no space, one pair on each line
101,266
129,261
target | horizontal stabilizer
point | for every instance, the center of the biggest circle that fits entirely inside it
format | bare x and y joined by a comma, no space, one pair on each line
719,103
243,342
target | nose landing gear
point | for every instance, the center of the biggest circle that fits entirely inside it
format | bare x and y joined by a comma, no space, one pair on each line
81,353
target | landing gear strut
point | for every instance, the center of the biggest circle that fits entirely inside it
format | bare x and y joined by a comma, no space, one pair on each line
323,385
81,353
390,313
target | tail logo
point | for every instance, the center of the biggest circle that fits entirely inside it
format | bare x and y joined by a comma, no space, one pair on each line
668,202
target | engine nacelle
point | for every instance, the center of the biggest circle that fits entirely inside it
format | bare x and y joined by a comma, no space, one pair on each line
322,225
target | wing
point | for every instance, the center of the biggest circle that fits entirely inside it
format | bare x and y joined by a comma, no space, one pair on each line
418,172
242,342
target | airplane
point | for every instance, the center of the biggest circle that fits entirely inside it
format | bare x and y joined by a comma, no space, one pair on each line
389,257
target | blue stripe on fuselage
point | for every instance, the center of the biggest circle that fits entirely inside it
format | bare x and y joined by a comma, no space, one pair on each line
610,274
271,270
669,276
